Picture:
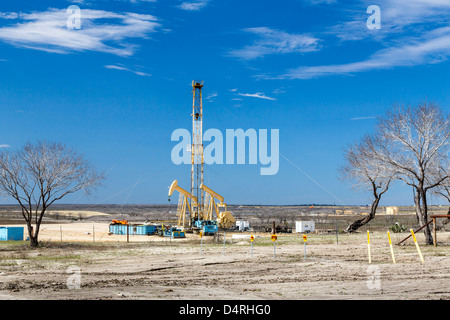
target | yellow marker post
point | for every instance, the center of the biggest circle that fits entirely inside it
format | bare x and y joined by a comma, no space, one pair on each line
274,238
390,245
305,238
417,246
368,246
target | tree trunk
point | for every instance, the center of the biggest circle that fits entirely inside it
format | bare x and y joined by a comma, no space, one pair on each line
422,214
427,230
418,207
361,222
34,242
32,236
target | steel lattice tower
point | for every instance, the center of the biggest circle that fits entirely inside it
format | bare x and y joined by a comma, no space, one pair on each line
197,149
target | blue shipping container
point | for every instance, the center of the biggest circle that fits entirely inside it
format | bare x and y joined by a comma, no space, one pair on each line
143,230
11,233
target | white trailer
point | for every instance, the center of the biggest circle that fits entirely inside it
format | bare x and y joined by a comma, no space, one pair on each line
304,226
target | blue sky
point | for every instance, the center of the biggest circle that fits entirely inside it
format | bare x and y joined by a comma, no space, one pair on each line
116,88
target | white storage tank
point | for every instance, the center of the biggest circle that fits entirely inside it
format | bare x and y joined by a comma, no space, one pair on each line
304,226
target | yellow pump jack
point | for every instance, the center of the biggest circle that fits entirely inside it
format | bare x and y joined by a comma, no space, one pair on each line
225,219
183,203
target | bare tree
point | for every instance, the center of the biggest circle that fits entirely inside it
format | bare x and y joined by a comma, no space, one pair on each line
39,174
367,174
416,144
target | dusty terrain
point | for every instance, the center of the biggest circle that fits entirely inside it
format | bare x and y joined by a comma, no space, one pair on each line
151,267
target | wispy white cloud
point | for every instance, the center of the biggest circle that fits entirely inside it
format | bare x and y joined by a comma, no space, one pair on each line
398,18
211,95
101,31
123,68
4,146
278,91
413,32
193,5
258,95
431,48
8,15
274,41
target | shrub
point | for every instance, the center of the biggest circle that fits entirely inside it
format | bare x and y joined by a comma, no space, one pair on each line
397,228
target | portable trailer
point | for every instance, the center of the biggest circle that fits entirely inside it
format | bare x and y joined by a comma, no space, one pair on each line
11,233
304,226
143,230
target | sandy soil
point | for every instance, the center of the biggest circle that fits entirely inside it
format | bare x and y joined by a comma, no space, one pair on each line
158,268
84,232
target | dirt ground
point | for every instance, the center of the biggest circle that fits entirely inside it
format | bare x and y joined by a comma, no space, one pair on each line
151,267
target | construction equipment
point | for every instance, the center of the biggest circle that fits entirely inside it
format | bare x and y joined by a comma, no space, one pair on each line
171,232
177,233
198,222
279,229
183,203
224,219
207,227
199,201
